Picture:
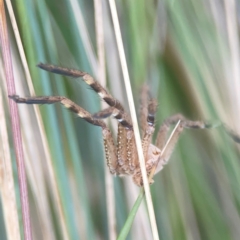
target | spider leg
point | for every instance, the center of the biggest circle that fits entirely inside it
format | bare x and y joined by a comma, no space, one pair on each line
109,146
146,143
102,92
116,109
126,147
147,119
149,127
126,150
163,131
121,116
105,113
144,107
168,148
172,120
158,158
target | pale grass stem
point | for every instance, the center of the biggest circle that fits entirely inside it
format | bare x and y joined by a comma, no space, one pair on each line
125,230
172,137
6,179
110,201
7,60
134,118
52,176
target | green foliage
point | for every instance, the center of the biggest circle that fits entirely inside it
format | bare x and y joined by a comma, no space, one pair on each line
181,50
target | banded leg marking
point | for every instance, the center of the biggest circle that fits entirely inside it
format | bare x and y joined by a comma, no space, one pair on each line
126,151
164,157
112,102
185,123
149,130
110,149
82,113
144,108
146,141
121,116
121,149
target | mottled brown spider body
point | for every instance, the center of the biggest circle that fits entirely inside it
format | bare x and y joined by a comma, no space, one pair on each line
122,159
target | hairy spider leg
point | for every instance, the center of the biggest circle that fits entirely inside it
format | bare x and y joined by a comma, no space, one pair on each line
147,119
116,109
148,149
172,120
163,131
109,146
149,127
88,79
144,107
123,159
126,146
168,148
121,116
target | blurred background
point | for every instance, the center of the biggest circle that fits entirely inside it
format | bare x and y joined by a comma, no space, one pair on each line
187,51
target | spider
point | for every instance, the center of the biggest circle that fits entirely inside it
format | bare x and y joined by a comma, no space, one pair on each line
122,159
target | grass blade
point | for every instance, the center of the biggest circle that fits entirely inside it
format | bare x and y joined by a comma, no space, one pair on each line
134,118
15,124
128,224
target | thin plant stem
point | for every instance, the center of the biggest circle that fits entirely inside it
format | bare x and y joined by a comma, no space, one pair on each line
6,53
52,176
127,226
7,190
134,118
163,150
102,79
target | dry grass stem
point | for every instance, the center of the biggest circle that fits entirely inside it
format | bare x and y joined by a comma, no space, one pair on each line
101,73
52,177
6,53
171,141
134,117
6,179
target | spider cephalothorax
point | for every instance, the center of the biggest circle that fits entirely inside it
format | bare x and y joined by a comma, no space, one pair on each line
122,159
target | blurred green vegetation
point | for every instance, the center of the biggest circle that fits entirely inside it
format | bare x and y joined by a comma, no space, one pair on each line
181,49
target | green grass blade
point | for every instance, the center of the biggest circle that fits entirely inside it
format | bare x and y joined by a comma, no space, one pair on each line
128,224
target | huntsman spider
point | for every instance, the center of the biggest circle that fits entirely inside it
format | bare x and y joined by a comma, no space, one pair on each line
122,159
